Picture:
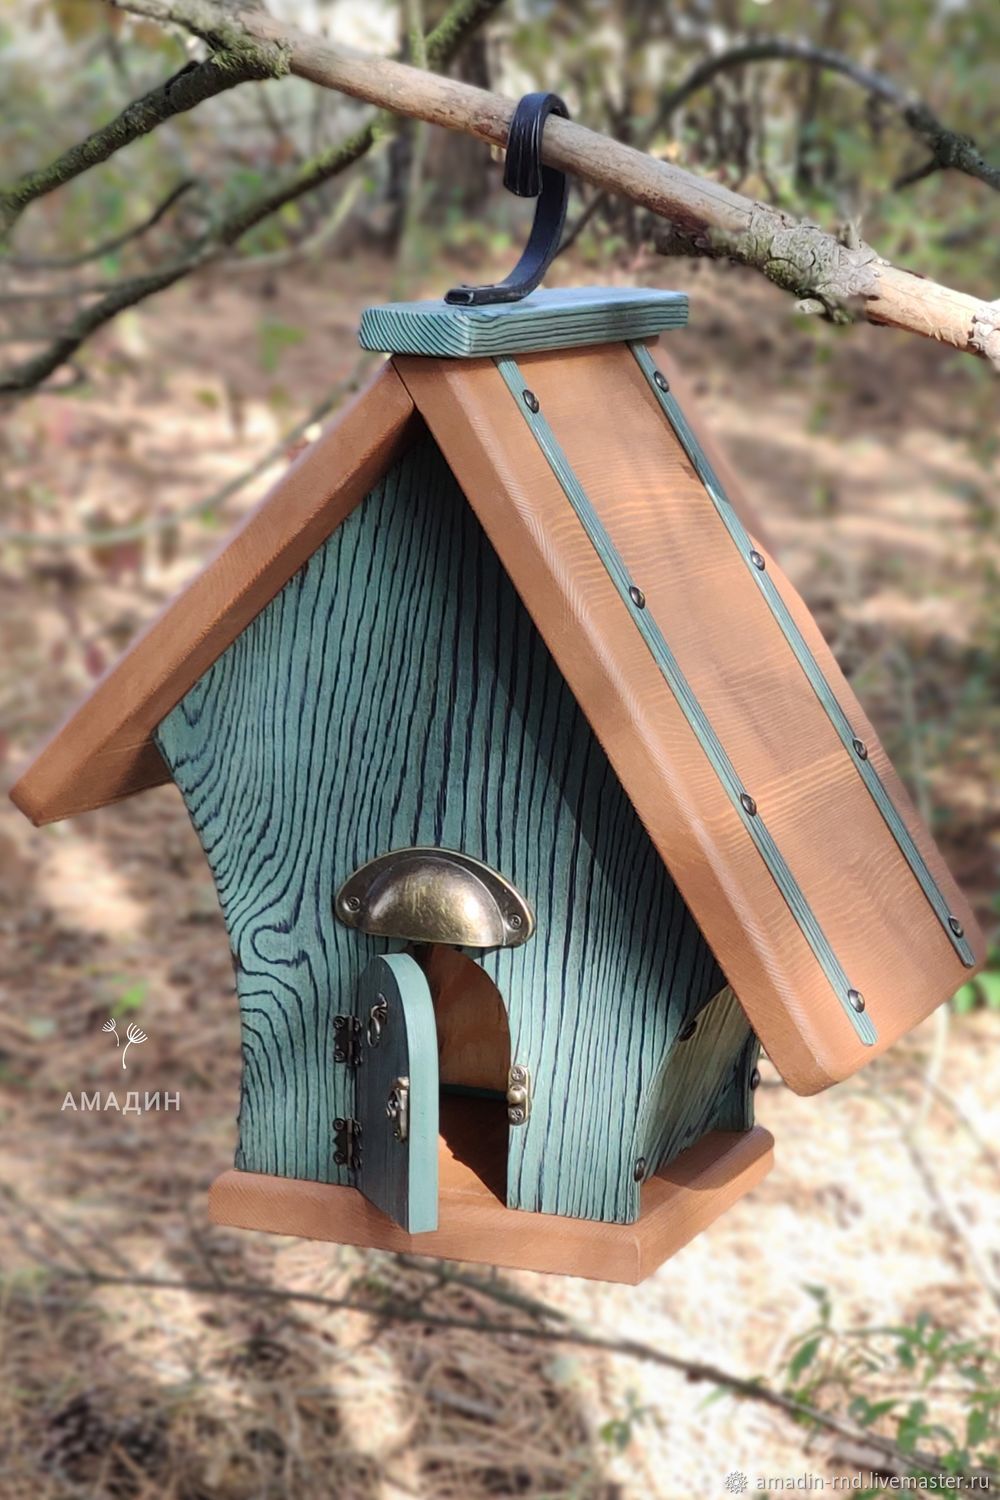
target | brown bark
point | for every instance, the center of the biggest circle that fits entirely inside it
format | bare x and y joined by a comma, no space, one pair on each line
707,217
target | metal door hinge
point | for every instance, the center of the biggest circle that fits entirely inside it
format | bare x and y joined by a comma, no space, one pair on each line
397,1107
347,1143
518,1094
347,1040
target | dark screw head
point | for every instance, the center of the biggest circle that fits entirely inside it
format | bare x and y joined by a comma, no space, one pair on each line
749,803
956,926
688,1032
660,381
353,903
514,920
639,1170
860,748
856,1000
755,1079
757,559
637,597
530,400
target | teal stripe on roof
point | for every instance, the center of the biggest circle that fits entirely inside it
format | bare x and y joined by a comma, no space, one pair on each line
645,622
793,635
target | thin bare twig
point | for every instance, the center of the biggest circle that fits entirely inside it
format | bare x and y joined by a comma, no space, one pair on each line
196,82
843,279
950,149
402,1311
967,1123
955,1230
106,247
442,43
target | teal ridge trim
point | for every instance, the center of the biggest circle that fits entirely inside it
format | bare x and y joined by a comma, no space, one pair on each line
561,318
645,623
904,839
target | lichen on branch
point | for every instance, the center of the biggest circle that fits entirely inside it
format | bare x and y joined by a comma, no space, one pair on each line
834,275
243,60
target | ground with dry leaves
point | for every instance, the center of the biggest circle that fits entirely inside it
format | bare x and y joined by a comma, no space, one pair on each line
873,461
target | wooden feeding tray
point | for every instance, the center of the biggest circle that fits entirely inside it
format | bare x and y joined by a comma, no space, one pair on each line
474,1224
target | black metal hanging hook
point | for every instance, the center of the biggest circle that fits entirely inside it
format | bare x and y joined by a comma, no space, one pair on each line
525,175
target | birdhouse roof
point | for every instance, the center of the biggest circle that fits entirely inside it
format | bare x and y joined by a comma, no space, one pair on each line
756,772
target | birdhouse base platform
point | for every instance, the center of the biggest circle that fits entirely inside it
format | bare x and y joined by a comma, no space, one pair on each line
475,1225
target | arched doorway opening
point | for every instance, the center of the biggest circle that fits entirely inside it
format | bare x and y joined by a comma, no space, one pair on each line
473,1062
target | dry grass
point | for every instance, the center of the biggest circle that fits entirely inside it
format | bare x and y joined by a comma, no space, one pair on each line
872,472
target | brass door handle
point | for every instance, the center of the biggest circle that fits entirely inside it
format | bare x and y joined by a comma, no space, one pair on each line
428,895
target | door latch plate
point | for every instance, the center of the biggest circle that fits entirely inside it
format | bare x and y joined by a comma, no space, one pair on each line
518,1094
397,1108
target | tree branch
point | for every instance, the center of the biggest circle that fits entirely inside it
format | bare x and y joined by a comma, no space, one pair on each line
949,148
214,21
197,81
32,372
798,256
564,1332
551,1324
105,247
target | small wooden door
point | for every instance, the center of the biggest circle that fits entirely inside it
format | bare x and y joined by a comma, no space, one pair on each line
397,1099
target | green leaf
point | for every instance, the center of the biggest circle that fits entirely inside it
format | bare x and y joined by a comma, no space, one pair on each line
133,998
616,1433
966,999
804,1355
977,1427
275,339
821,1297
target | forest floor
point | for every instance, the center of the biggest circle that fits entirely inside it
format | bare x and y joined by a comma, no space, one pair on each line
873,461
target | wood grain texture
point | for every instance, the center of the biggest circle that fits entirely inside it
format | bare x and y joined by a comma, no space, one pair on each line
855,750
558,319
670,362
781,742
704,1083
472,1031
396,693
645,622
398,1175
677,1204
105,751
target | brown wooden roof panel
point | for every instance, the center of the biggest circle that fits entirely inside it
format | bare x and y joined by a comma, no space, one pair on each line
104,751
727,642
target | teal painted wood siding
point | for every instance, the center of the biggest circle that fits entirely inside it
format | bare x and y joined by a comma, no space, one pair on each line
704,1083
396,692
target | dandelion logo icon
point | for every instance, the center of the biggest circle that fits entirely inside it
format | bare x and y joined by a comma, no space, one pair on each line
134,1037
736,1483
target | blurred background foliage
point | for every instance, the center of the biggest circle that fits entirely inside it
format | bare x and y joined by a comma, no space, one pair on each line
789,132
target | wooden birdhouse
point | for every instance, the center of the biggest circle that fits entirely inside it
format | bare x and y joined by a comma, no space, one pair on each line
535,801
